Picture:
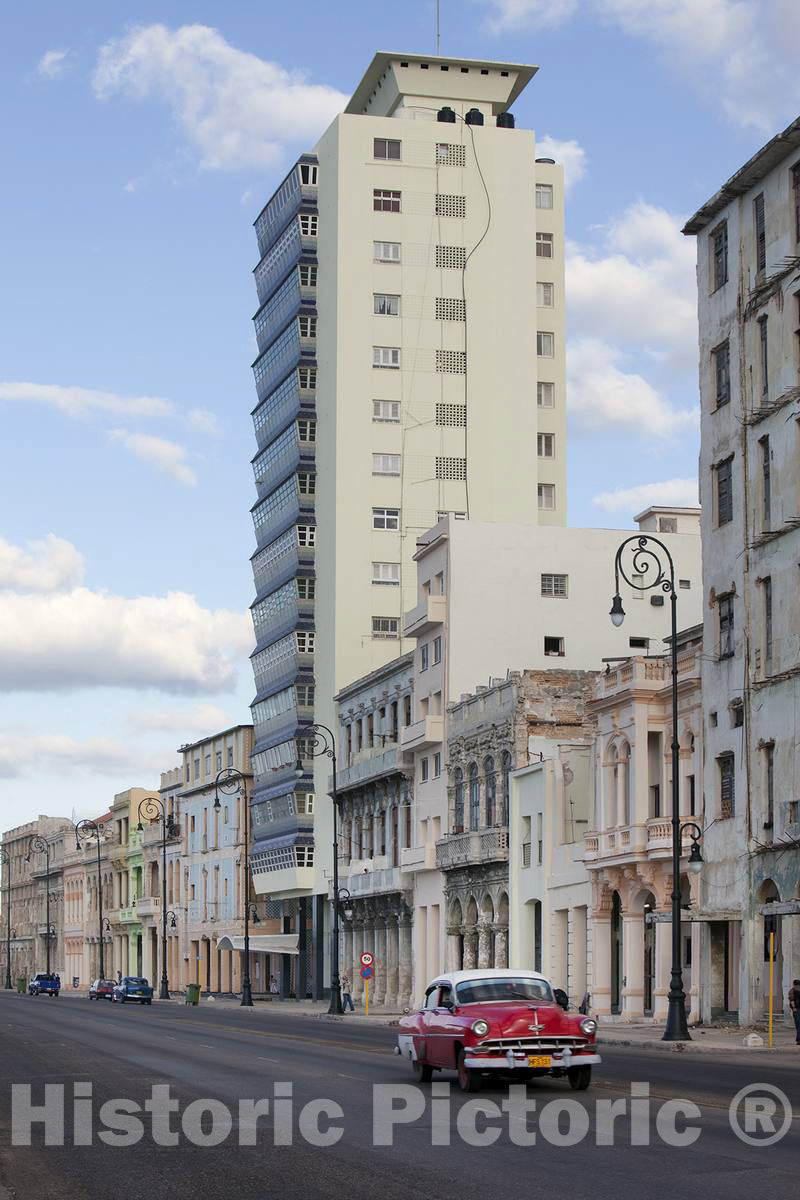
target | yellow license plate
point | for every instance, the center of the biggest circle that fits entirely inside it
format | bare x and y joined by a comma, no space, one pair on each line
539,1060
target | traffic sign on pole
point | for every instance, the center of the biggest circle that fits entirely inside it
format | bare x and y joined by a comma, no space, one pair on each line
366,959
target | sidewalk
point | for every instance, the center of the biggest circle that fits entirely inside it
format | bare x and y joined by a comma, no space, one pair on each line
709,1039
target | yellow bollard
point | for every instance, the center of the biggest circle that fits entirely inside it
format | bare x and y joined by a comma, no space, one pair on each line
366,997
771,981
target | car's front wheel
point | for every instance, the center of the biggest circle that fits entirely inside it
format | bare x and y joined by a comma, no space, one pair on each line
579,1078
468,1080
423,1072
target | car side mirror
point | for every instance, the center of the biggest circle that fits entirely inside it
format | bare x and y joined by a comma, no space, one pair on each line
561,998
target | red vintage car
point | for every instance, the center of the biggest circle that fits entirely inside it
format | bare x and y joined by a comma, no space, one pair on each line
477,1022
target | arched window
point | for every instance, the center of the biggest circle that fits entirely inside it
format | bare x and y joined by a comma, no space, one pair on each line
506,808
474,797
458,807
491,791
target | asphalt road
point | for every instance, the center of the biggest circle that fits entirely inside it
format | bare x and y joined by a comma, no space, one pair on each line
228,1054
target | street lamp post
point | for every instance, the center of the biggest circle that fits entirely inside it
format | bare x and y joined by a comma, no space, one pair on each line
42,846
647,570
319,740
84,830
154,810
228,781
5,859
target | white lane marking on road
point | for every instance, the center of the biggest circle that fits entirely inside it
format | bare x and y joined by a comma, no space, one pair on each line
360,1078
262,1058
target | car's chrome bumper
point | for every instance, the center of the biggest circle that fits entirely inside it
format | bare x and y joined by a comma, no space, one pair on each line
515,1062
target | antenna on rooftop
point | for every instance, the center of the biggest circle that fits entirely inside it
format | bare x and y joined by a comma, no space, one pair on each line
438,25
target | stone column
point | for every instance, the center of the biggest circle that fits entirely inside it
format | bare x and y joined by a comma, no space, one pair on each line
601,964
379,980
501,946
663,969
453,950
632,965
405,965
470,948
358,946
484,946
392,962
347,964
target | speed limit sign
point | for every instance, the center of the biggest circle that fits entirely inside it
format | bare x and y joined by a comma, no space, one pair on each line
366,959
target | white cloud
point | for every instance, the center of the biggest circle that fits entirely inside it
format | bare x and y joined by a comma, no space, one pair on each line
45,565
197,721
570,154
742,53
235,109
79,638
133,185
640,284
24,753
83,402
53,63
602,395
202,420
678,492
170,458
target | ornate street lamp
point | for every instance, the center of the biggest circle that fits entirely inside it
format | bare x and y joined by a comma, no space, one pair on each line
5,859
228,781
42,846
154,810
318,740
648,566
85,831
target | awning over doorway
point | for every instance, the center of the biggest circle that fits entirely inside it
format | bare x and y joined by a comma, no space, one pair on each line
262,943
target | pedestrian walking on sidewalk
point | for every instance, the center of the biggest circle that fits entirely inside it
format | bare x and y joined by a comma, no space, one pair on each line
347,997
794,1005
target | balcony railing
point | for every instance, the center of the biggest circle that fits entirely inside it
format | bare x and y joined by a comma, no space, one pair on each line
418,858
655,834
477,846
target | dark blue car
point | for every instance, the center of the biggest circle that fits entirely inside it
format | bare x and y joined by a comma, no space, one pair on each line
44,985
134,988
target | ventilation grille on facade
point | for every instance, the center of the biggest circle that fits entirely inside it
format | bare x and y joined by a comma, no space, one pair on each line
451,362
451,256
449,310
448,467
450,206
451,414
448,155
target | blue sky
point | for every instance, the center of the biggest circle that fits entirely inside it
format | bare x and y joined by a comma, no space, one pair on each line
140,143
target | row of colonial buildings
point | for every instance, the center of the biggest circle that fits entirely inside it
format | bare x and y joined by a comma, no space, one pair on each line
503,751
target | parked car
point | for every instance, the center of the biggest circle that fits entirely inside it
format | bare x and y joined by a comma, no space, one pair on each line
479,1023
101,989
44,985
132,987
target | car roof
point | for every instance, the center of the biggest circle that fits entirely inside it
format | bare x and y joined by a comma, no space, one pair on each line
454,977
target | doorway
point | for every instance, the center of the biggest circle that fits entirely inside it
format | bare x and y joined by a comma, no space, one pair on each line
649,954
616,953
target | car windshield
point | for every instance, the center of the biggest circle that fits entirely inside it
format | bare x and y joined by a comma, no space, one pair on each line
504,987
131,979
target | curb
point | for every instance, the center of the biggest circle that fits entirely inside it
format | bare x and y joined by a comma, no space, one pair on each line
687,1047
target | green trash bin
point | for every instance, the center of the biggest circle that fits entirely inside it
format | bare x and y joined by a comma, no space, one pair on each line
21,988
192,993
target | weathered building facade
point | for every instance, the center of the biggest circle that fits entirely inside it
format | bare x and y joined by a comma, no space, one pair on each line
375,790
491,734
748,273
628,848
